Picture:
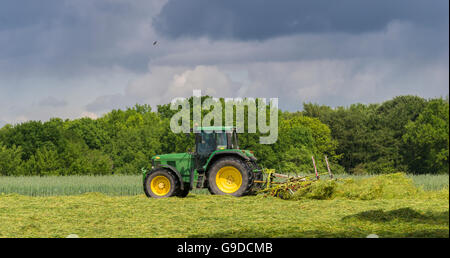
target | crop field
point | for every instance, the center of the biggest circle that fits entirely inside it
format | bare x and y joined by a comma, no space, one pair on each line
125,185
386,206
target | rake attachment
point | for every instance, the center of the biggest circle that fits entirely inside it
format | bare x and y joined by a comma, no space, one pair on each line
282,186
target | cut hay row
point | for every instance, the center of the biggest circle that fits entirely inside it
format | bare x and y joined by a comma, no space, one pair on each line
390,186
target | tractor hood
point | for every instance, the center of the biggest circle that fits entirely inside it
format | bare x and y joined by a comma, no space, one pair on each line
172,156
186,156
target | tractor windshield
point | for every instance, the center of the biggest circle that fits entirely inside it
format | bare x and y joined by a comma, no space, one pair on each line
221,139
206,144
227,139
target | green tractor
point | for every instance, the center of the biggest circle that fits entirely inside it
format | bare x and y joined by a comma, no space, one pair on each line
217,163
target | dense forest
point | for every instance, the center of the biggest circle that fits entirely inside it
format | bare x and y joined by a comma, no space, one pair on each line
407,133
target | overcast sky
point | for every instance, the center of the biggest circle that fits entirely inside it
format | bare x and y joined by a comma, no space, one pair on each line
75,58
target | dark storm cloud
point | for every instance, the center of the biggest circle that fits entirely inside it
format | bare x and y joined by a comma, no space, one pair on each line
68,37
259,20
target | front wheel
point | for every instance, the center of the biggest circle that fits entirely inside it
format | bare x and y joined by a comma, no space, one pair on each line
229,176
160,184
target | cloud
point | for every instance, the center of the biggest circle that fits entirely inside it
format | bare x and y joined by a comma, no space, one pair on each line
327,81
260,20
110,101
24,98
396,40
66,38
162,84
52,102
338,82
98,55
89,115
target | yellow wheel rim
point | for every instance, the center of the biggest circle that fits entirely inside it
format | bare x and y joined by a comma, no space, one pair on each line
228,179
160,185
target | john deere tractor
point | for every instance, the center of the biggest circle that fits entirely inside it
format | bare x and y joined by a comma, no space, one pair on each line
217,163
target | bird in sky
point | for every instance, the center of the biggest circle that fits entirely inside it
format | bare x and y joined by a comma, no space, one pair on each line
155,42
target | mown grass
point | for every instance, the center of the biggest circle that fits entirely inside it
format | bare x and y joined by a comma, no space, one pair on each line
205,216
126,185
388,186
389,206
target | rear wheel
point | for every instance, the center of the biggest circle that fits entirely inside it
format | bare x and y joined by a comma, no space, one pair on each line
230,176
161,183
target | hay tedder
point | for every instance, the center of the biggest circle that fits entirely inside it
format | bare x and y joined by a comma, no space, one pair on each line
219,165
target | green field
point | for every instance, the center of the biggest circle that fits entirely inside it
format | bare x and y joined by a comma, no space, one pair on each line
124,185
57,207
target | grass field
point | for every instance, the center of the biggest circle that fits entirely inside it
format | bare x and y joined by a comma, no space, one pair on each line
132,185
98,215
390,206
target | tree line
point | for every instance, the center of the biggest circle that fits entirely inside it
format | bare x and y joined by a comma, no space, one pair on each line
407,133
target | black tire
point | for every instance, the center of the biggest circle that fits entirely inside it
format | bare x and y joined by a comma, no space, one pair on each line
257,176
245,171
174,184
183,193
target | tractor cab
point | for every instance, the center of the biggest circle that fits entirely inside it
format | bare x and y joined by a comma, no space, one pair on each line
211,139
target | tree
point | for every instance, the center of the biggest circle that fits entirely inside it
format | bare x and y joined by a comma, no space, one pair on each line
47,162
428,139
369,137
91,131
11,161
406,133
388,126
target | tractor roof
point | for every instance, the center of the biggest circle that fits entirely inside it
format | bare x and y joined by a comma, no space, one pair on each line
214,128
